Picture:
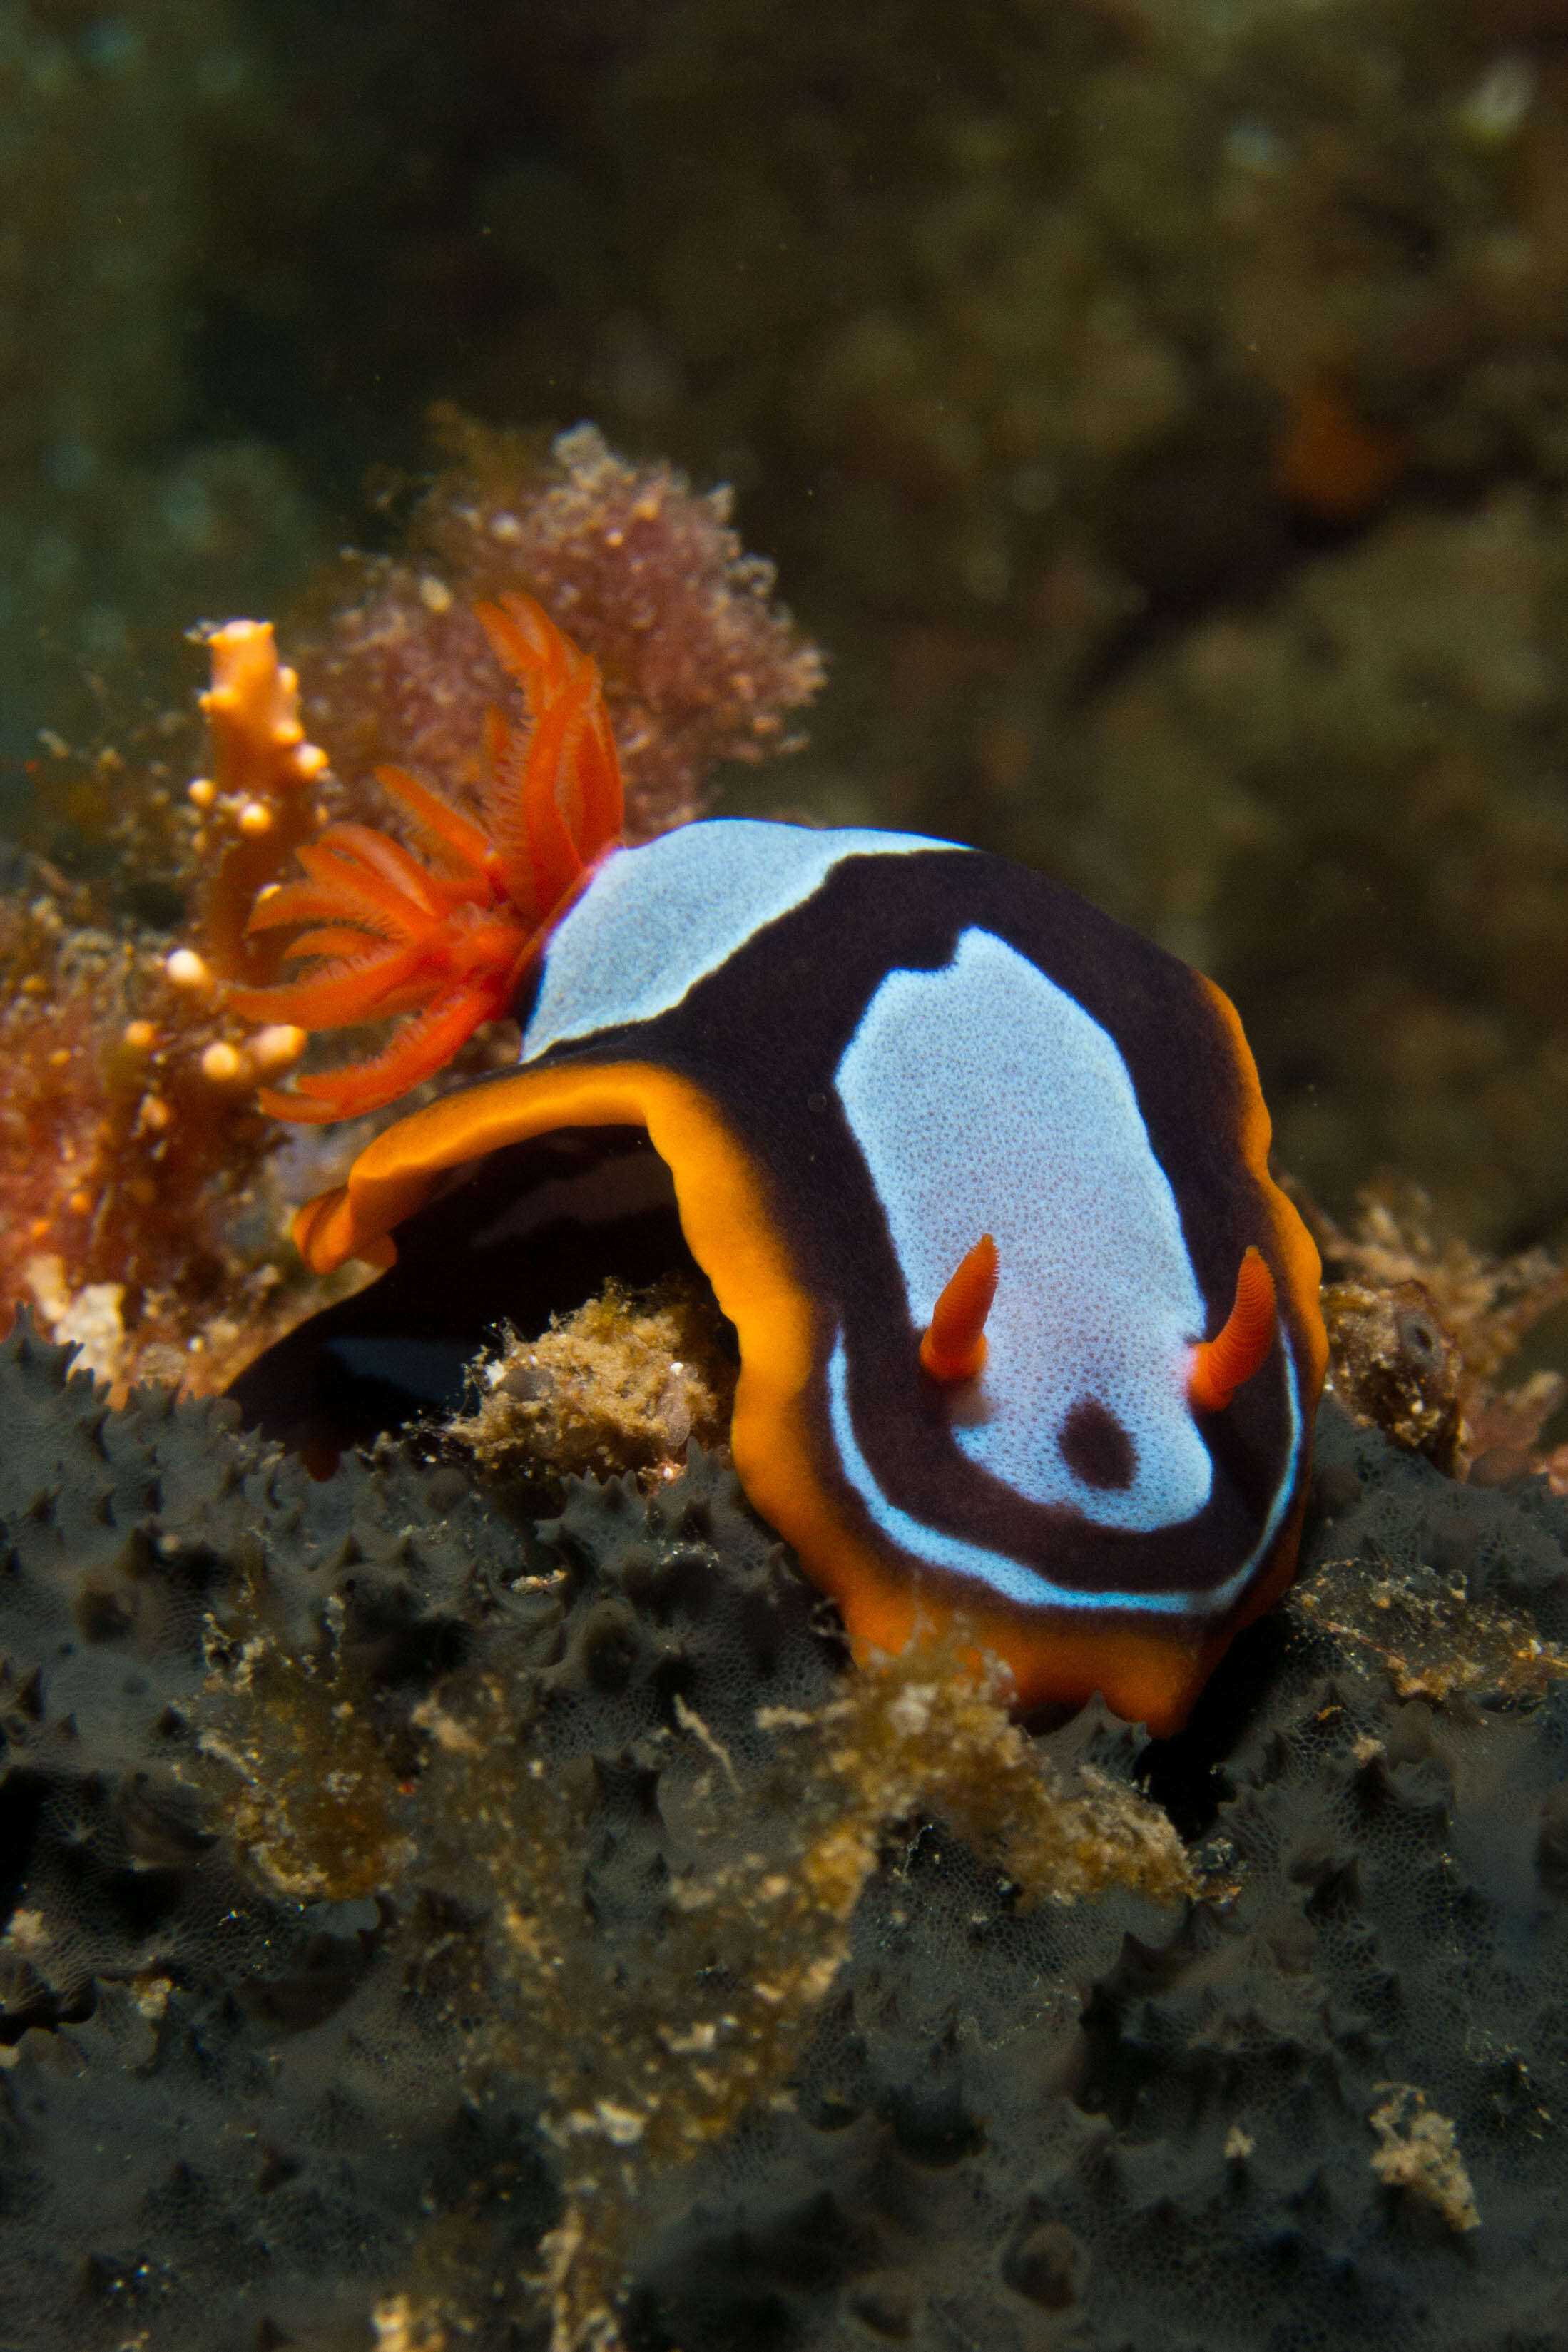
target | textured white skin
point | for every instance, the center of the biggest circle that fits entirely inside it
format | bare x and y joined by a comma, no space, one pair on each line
985,1099
655,920
1013,1578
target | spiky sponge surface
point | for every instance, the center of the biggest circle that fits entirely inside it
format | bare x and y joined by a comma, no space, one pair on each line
245,2106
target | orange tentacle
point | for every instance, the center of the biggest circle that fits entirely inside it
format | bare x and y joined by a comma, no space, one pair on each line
536,850
364,847
1221,1365
447,829
584,774
307,902
599,782
954,1348
552,809
570,758
421,1047
364,894
330,999
507,758
529,647
516,642
566,785
504,752
334,941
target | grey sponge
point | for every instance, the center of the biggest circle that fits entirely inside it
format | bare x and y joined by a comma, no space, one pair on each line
1318,2106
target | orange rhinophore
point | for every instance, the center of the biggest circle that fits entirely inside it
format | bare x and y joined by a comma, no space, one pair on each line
1221,1364
448,936
954,1348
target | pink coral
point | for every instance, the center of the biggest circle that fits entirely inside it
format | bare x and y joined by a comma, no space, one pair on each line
649,578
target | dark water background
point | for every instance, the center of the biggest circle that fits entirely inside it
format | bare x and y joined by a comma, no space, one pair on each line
1158,411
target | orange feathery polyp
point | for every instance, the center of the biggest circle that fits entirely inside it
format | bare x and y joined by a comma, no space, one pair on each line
447,938
953,1348
1221,1365
563,786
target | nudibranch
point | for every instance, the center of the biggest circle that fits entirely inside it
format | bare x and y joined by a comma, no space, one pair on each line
1028,1336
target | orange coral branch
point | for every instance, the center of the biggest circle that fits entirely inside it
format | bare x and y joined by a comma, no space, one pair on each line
260,795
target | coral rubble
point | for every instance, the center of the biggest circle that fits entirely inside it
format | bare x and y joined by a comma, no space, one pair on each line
622,1383
1420,1331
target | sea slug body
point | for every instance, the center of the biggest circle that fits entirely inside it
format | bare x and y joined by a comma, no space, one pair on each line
1027,1333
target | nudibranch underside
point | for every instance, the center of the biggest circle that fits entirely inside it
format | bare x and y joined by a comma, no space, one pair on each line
1027,1334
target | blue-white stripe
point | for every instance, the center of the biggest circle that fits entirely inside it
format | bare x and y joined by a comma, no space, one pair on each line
1013,1580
